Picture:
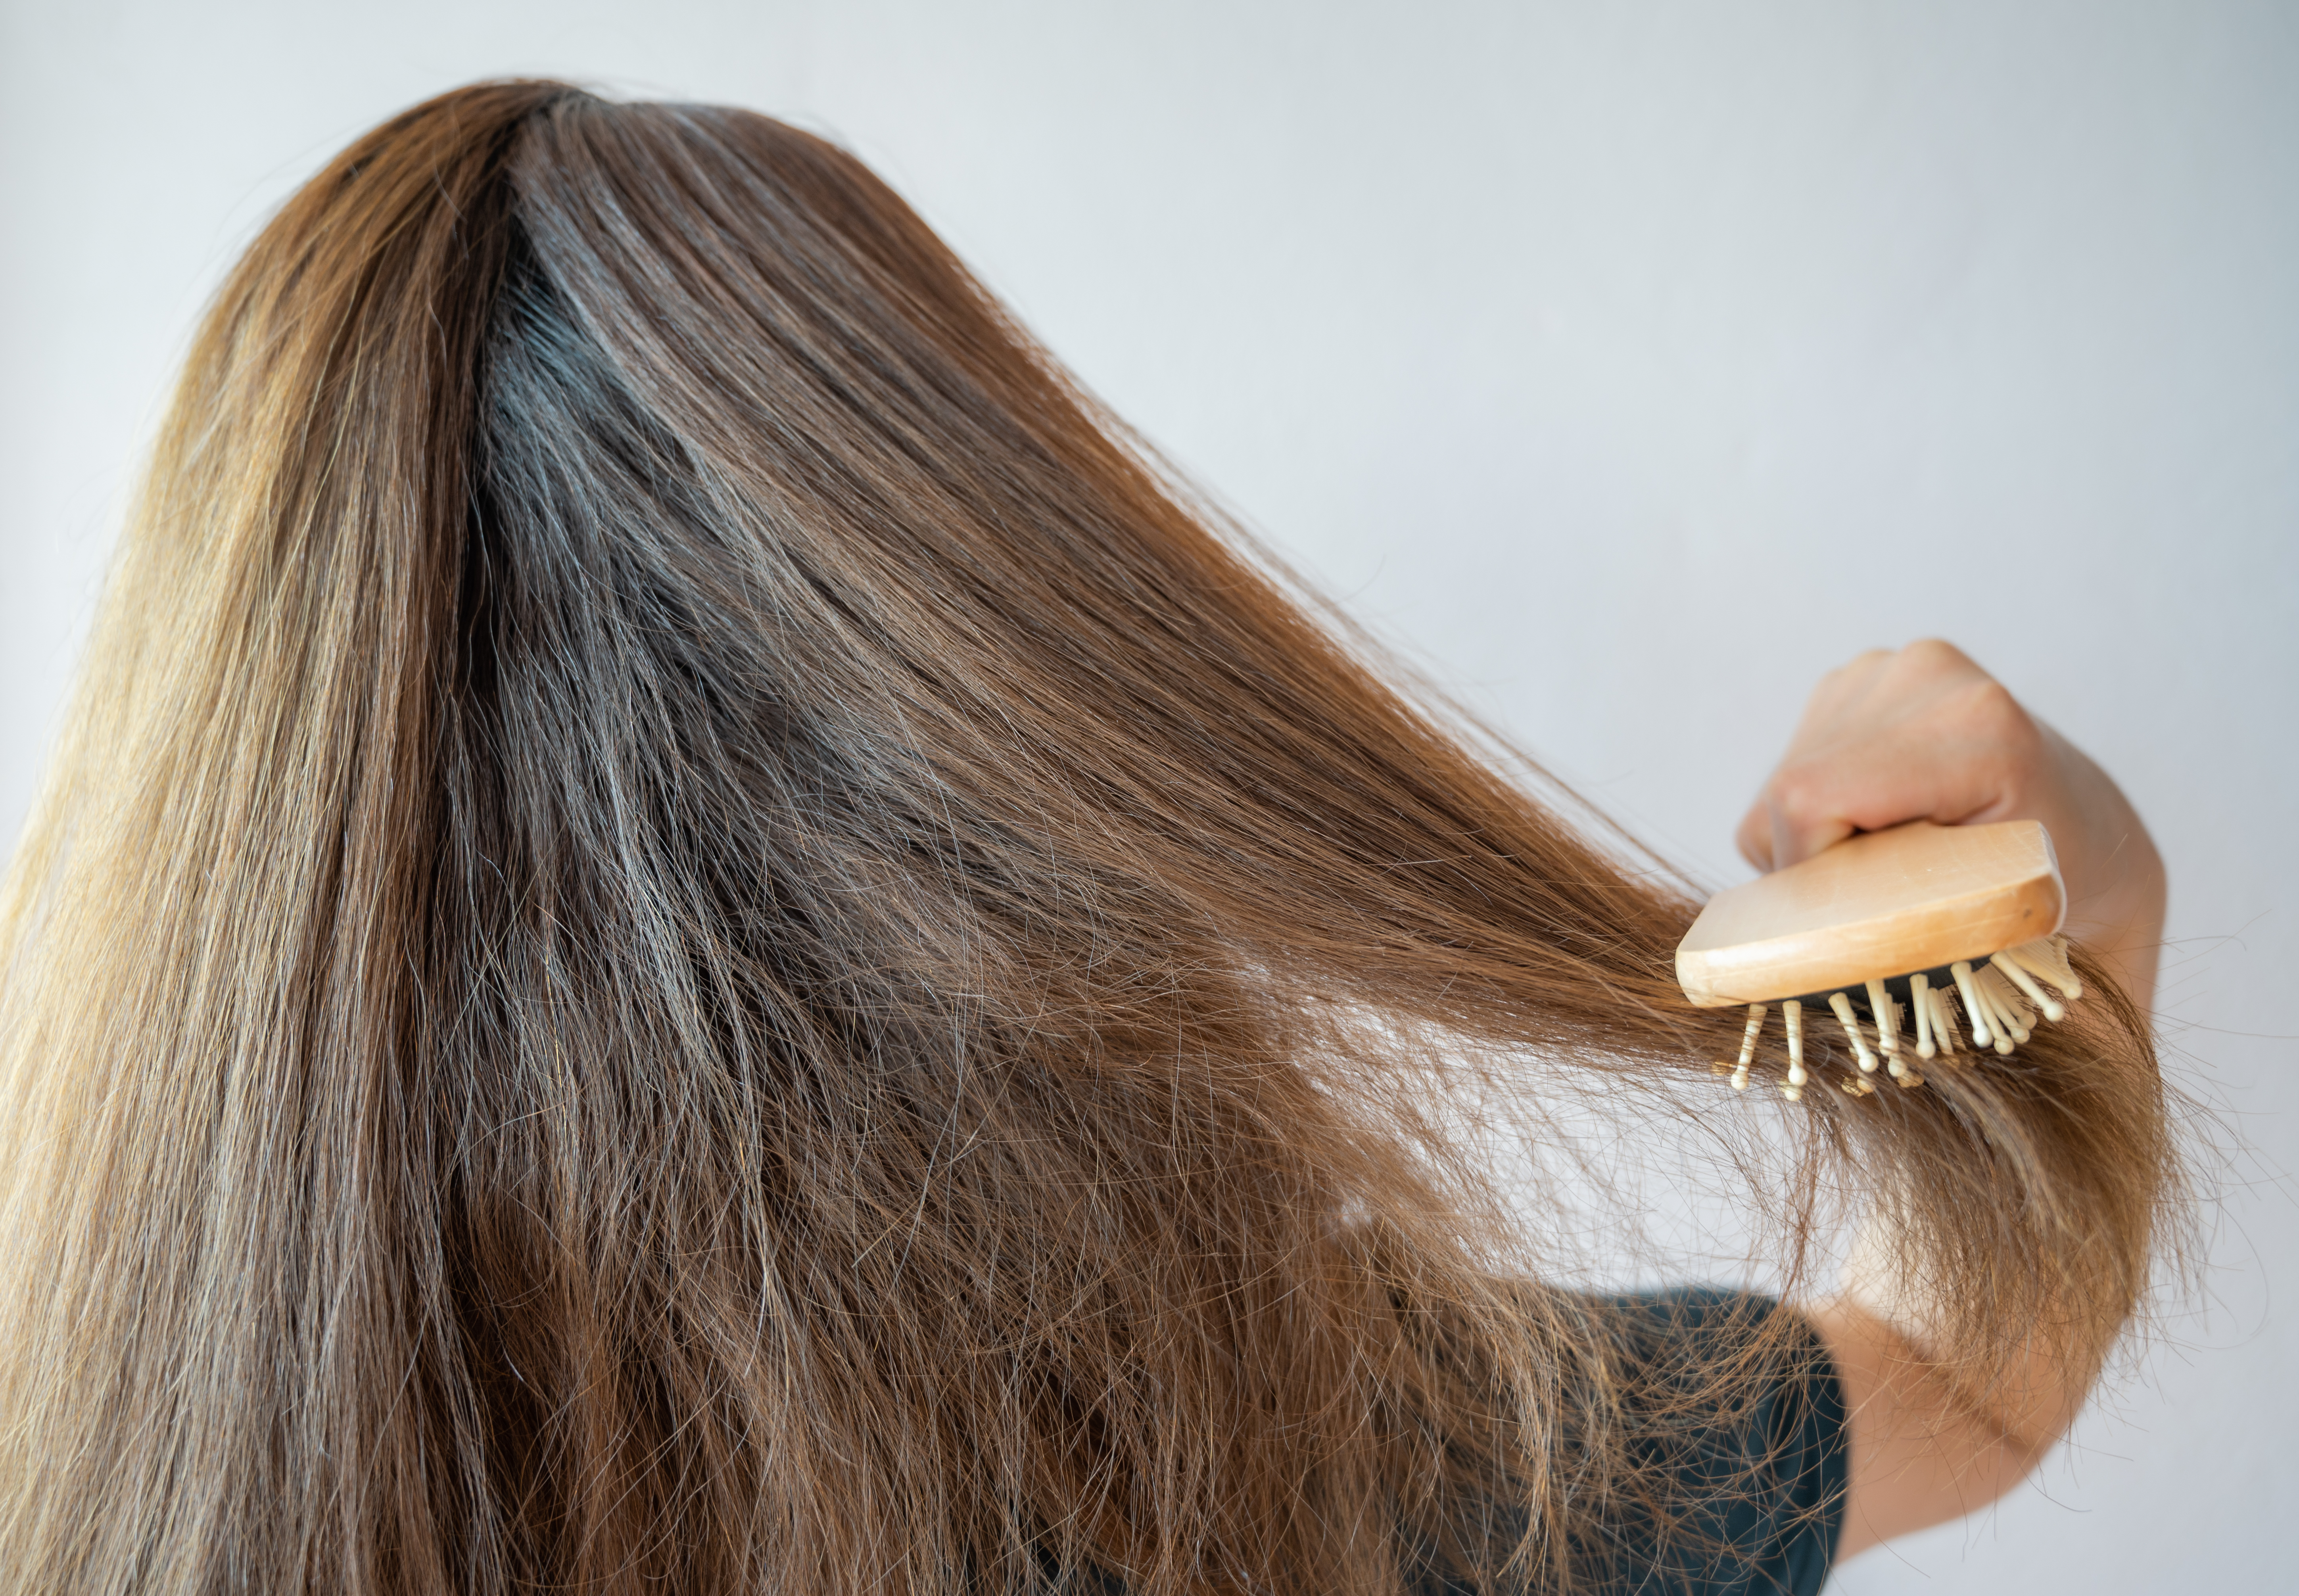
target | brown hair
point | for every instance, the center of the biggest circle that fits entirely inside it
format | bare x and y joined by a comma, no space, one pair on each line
696,927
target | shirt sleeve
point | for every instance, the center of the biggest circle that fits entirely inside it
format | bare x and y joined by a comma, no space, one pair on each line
1723,1460
1743,1477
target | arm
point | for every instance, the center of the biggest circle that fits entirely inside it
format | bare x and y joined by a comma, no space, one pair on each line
1924,733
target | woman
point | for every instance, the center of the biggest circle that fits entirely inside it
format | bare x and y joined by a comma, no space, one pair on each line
695,932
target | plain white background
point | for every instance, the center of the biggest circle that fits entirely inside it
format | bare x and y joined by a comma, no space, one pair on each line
1630,363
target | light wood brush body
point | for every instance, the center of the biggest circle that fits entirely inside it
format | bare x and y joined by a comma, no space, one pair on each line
1911,937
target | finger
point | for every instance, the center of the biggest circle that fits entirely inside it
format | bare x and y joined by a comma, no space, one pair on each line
1834,699
1798,834
1950,777
1919,734
1753,837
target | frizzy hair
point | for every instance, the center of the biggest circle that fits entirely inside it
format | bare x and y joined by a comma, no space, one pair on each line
696,931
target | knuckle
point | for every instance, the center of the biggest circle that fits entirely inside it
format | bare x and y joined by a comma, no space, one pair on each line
1989,708
1859,668
1797,794
1933,657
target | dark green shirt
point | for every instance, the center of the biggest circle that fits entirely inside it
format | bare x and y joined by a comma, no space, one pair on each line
1738,1481
1741,1482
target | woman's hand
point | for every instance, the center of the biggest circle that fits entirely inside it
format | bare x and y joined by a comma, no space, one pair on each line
1925,734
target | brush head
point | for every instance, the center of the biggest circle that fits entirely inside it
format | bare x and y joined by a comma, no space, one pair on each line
1881,904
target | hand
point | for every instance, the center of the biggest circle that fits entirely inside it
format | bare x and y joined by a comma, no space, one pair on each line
1925,734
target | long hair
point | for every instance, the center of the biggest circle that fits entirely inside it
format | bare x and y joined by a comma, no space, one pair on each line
696,931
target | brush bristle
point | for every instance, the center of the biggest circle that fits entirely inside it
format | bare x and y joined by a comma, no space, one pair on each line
1996,1004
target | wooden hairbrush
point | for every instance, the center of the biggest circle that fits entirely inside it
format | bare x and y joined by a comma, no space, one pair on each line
1904,935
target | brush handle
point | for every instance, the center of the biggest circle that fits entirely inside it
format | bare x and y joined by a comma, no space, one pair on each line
1914,897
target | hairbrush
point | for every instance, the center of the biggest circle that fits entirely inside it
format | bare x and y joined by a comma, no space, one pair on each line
1914,938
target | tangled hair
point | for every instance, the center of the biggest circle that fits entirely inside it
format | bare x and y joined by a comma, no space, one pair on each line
694,931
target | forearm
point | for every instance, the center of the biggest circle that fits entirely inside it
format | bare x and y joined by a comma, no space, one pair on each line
1923,1453
1934,1434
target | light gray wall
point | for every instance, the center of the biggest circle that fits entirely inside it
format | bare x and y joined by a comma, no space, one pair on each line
1633,363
